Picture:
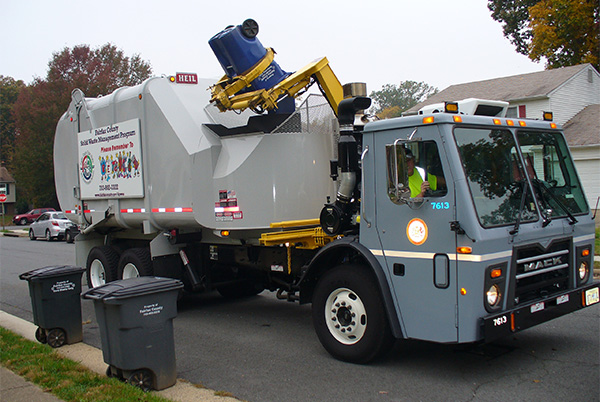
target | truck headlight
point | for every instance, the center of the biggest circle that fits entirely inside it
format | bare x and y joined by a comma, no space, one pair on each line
583,270
493,295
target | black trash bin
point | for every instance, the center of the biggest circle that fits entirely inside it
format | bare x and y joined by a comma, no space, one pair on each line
56,304
135,317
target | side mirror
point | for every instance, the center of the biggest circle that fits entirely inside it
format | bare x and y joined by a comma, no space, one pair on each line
397,173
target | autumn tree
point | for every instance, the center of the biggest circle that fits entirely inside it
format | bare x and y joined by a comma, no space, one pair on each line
40,105
564,32
392,100
9,91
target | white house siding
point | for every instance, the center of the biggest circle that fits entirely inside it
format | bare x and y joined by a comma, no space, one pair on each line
587,163
533,108
574,95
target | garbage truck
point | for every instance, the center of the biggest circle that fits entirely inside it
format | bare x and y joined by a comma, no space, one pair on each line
452,226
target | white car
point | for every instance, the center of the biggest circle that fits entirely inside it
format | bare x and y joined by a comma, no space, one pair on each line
49,225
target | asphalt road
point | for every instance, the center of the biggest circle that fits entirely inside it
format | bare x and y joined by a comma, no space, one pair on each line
264,349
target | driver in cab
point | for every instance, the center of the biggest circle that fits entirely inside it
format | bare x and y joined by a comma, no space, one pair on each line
418,183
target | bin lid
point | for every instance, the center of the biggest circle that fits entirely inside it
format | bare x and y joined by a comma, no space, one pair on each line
132,287
51,271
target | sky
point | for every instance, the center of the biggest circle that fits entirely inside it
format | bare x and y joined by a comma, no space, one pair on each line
379,42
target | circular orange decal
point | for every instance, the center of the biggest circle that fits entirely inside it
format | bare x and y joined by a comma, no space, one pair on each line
416,231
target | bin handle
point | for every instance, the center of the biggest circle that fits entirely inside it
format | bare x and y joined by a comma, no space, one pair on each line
104,296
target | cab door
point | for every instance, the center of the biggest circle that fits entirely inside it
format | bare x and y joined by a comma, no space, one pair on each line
417,245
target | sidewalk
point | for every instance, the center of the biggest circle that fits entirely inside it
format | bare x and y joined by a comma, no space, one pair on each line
15,388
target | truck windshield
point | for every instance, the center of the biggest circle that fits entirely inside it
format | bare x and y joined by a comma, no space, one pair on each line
552,173
497,177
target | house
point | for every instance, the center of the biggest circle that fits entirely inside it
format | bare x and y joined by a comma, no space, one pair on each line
571,93
8,187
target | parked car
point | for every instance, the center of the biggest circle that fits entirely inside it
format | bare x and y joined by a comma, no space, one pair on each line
49,225
24,219
71,232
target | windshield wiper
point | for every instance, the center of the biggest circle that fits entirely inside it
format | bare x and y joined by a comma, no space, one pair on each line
521,207
540,184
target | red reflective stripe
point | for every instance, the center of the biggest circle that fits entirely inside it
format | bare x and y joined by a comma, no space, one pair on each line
178,209
133,211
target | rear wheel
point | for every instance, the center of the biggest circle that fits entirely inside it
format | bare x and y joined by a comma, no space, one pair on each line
142,379
69,238
101,266
349,315
56,337
135,262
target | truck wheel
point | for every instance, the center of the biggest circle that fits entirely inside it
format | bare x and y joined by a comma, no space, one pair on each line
135,262
348,315
101,266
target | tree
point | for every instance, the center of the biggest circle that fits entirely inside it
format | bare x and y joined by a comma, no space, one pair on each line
392,100
40,105
514,15
9,91
564,32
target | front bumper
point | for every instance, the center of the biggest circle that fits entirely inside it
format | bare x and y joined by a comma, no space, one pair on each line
532,314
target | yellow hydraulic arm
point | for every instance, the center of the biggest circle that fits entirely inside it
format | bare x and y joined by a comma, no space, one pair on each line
225,97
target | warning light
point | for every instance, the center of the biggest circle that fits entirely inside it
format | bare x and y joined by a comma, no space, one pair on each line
497,121
495,273
585,253
552,125
522,124
451,107
457,119
547,116
463,291
172,78
428,120
225,233
464,250
510,122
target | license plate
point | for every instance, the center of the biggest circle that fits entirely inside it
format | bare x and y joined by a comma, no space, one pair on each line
537,307
592,296
562,299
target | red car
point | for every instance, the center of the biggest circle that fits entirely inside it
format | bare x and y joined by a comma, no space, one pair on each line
24,219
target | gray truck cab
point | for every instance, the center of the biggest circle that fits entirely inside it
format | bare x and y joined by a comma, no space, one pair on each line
502,241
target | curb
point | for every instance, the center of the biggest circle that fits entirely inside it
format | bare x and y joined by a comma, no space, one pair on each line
91,358
16,233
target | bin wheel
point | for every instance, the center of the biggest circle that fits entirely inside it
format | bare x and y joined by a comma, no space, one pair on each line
101,266
109,372
135,262
56,337
142,379
40,335
250,28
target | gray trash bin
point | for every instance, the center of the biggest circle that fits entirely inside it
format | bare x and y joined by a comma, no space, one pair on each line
135,317
56,305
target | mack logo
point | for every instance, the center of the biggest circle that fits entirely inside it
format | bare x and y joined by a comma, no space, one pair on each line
546,263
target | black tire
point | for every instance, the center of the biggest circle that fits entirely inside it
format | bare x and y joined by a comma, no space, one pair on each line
101,266
135,262
48,235
142,379
240,290
23,222
349,315
31,235
40,335
56,337
69,238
